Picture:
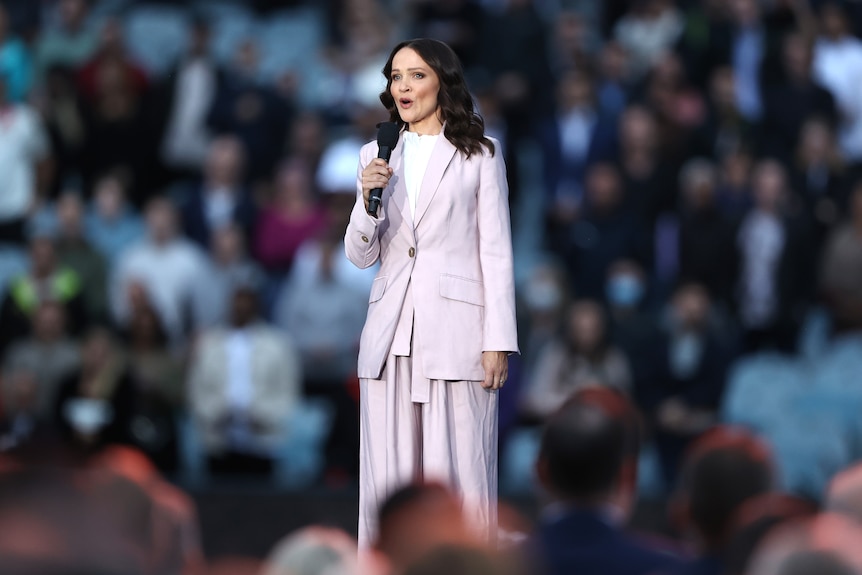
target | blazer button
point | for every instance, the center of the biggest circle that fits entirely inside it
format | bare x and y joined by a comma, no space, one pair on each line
411,252
365,239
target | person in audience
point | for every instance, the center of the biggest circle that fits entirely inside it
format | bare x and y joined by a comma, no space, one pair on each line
75,252
292,217
543,301
71,41
705,233
244,381
220,198
630,323
840,280
94,405
776,270
48,355
186,95
15,61
168,267
587,468
155,369
416,519
733,194
605,231
45,281
690,357
723,469
111,223
460,560
583,357
23,149
314,551
63,114
646,31
229,264
111,52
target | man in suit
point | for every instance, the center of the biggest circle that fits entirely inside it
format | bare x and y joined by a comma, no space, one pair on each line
587,465
244,381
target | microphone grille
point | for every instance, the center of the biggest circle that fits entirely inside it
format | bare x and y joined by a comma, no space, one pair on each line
387,134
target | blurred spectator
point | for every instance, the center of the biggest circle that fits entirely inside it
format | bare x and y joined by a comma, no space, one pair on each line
819,177
45,281
689,365
416,519
70,42
840,266
111,58
185,99
612,87
220,198
587,453
65,120
706,39
49,354
776,264
307,142
747,52
75,252
118,134
837,60
631,327
229,265
460,560
725,130
545,297
292,217
15,61
94,405
168,267
755,520
456,22
647,30
250,110
22,418
788,104
605,232
584,357
154,369
112,226
23,146
705,233
244,381
574,136
573,42
724,469
313,551
733,192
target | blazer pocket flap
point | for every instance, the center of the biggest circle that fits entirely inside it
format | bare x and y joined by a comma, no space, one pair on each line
462,289
377,289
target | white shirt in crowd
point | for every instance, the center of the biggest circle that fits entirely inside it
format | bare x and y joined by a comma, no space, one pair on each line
22,145
187,140
417,153
169,273
837,66
761,240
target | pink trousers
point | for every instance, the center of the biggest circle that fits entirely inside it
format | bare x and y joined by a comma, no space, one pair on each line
412,428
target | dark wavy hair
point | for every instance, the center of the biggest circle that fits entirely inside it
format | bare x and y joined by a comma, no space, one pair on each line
463,126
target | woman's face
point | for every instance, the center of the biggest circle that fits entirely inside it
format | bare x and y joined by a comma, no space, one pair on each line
414,87
586,328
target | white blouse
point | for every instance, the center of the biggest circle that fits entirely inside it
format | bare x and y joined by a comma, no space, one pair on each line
417,153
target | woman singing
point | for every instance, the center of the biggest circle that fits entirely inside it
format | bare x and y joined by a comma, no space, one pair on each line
441,314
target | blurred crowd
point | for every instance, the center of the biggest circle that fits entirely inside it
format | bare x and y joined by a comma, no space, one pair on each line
686,189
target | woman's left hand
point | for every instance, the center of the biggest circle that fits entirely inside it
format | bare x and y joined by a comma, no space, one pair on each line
496,365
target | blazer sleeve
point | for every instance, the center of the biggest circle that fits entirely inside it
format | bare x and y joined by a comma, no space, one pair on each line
499,333
361,240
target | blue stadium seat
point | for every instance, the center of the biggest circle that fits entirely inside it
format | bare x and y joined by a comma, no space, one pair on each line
157,35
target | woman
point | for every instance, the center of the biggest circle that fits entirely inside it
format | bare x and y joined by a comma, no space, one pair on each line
441,316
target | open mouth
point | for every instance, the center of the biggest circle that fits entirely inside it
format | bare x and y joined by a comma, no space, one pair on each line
405,102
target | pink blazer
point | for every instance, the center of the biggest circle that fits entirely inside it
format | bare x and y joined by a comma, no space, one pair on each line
453,265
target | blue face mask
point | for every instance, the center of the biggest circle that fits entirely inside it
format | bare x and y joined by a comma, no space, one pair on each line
624,291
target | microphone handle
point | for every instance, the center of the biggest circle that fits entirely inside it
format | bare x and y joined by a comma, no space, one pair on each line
376,194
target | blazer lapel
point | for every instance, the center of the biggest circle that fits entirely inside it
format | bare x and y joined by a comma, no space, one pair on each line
441,155
399,189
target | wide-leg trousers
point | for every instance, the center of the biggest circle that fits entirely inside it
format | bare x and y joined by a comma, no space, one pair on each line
412,428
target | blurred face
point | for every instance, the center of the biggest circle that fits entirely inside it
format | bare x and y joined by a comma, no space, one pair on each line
70,213
96,350
294,182
224,161
72,12
768,183
722,88
414,87
244,307
161,221
691,306
613,61
603,187
586,326
109,198
816,141
833,21
42,256
228,245
637,128
575,92
745,12
49,322
699,189
796,56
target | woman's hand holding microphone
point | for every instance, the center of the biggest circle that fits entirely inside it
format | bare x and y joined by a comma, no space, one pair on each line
375,175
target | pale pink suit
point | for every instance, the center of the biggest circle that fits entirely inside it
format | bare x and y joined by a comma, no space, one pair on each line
444,294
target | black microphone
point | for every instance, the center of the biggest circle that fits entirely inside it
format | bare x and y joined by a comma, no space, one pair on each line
387,137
